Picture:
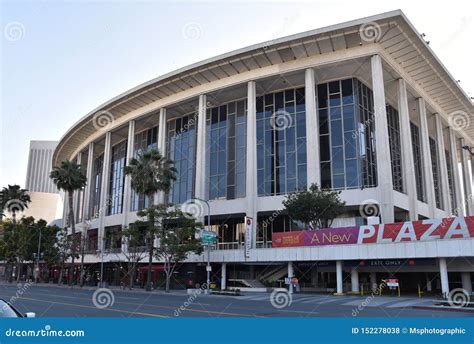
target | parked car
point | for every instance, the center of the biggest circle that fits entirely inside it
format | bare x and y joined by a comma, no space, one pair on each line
8,311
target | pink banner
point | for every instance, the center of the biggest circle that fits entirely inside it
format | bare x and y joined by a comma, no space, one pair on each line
331,236
424,230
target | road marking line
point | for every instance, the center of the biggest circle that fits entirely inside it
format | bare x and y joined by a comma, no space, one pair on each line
91,307
141,313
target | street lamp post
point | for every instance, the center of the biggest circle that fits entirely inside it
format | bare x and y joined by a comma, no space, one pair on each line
101,263
83,244
38,257
208,246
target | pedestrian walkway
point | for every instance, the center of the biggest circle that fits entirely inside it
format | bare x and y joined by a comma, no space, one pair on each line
348,300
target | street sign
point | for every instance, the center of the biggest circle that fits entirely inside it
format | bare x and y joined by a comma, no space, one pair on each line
392,282
209,268
208,237
248,235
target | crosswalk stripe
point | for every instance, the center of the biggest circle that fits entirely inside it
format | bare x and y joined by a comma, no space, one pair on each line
371,303
253,297
317,300
329,300
407,303
304,299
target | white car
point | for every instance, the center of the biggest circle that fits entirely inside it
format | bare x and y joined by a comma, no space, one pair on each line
8,311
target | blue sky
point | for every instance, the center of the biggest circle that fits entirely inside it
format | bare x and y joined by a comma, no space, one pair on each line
73,56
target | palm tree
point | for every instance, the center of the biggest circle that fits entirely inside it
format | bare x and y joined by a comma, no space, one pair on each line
150,172
69,177
14,199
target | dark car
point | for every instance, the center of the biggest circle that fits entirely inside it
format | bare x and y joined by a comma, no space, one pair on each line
8,311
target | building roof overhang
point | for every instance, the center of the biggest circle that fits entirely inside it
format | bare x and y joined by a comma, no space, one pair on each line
394,34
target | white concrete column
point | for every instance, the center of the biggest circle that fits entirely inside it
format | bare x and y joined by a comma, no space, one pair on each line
339,289
466,160
373,281
63,195
408,165
443,273
104,190
159,197
426,155
459,209
290,275
466,281
161,146
88,188
200,188
251,168
127,187
224,276
354,280
312,130
78,194
442,164
384,168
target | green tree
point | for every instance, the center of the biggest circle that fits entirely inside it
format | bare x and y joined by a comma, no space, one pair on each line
316,208
65,251
14,199
150,172
10,245
19,244
70,177
175,231
27,235
134,253
48,249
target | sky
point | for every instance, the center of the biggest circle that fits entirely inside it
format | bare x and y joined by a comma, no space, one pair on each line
60,60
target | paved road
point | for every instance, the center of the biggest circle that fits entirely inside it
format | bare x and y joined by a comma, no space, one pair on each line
53,301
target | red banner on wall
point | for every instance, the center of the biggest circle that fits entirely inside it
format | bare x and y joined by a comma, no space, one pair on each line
288,239
423,230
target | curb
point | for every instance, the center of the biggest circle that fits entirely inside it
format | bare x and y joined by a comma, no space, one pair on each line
115,289
437,308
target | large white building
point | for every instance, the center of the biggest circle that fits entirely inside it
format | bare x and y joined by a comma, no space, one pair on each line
364,107
46,200
40,159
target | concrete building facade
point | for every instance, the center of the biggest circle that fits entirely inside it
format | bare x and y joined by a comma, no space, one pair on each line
364,107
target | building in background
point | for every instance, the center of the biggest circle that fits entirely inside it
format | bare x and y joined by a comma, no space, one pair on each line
39,166
364,107
46,200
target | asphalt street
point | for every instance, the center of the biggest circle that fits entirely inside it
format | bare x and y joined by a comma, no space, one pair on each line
54,301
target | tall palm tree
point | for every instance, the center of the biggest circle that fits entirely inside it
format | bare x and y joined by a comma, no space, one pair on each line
14,199
150,172
68,176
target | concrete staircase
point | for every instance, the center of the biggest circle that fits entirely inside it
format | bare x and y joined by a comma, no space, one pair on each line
274,274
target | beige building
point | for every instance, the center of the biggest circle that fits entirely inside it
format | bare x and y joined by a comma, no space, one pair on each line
46,200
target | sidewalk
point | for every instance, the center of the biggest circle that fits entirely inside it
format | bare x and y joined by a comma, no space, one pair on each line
92,288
